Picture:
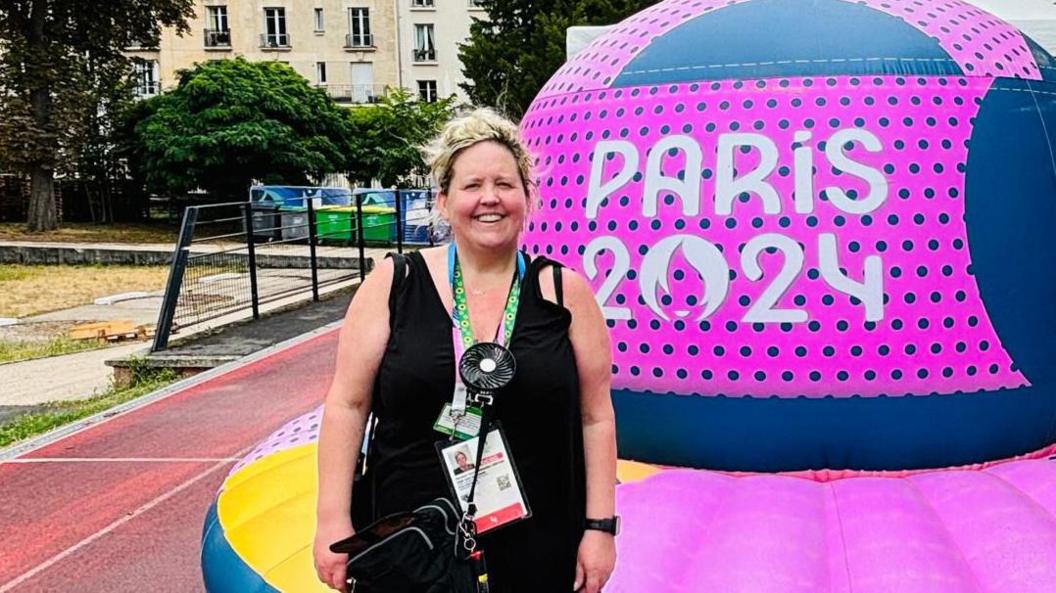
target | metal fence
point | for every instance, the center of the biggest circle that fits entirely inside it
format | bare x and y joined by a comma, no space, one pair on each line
233,257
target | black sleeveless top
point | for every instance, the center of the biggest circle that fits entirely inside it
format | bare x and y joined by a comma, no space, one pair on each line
539,411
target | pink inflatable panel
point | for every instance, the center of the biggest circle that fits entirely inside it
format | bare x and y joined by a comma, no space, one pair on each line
989,531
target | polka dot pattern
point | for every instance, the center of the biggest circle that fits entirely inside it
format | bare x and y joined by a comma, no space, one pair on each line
935,336
299,431
979,42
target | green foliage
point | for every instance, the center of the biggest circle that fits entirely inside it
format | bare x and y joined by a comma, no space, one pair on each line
64,76
231,122
386,136
501,71
16,350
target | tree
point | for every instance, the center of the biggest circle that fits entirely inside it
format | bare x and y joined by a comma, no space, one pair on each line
52,54
502,73
386,137
231,122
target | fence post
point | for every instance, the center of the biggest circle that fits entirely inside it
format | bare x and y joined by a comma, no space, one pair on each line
247,210
311,250
172,287
359,237
399,221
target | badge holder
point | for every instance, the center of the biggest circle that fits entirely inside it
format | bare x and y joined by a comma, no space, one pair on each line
485,368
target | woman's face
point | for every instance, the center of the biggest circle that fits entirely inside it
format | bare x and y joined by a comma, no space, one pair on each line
486,201
461,459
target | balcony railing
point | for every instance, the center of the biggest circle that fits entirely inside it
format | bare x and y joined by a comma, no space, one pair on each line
147,89
424,55
354,93
359,40
275,41
217,38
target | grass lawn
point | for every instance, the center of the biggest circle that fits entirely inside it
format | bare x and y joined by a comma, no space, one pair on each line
29,290
15,350
83,232
56,414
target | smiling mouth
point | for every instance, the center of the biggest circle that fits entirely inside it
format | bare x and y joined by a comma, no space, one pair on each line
489,217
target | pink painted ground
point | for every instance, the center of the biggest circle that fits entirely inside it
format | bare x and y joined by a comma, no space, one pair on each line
51,508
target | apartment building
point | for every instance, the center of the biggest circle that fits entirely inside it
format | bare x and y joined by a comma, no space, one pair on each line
428,34
348,47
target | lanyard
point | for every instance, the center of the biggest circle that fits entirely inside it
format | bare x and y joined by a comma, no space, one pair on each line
462,331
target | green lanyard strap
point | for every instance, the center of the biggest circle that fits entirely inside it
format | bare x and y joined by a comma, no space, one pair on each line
460,311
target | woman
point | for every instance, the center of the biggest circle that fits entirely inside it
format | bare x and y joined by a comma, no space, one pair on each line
556,412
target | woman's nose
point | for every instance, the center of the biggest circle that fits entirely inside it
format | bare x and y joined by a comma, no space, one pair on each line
490,195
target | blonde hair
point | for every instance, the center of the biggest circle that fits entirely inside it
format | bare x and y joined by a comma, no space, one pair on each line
480,125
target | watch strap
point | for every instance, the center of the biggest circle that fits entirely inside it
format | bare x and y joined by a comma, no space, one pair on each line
609,525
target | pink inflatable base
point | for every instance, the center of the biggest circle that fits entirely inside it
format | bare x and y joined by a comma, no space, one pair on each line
951,531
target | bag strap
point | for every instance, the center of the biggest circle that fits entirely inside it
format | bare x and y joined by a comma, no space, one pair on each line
559,289
399,274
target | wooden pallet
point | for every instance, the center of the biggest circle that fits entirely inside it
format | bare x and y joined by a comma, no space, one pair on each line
111,331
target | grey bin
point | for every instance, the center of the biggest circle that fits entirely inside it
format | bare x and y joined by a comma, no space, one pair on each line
294,224
266,223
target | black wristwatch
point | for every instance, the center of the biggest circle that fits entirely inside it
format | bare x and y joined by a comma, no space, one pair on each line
610,525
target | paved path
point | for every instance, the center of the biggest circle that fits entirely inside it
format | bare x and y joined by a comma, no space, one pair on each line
119,506
60,378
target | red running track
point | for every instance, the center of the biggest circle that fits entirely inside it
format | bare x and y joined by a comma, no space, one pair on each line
119,505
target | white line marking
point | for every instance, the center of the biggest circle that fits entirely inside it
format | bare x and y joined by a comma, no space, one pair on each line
120,460
105,530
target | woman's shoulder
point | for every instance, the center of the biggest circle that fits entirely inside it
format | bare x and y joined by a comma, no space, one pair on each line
433,256
574,286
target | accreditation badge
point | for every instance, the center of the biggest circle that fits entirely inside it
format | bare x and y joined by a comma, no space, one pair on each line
499,495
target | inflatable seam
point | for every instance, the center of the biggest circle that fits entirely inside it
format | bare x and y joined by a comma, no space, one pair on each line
1026,498
941,523
831,490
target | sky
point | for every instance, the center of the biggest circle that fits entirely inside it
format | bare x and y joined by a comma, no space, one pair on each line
1036,18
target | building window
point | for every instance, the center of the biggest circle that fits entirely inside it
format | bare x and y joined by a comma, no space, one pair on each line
424,43
476,3
320,24
275,34
218,34
427,90
146,78
320,72
359,28
422,4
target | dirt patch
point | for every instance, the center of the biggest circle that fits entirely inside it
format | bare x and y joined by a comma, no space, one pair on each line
30,290
37,331
93,233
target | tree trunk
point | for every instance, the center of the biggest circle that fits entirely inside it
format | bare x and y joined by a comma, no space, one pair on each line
42,200
42,195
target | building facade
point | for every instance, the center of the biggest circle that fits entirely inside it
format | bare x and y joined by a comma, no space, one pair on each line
348,47
428,34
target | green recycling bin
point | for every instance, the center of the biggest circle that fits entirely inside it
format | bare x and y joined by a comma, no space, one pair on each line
379,224
336,224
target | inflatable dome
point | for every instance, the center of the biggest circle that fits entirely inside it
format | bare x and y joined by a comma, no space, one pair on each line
818,232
